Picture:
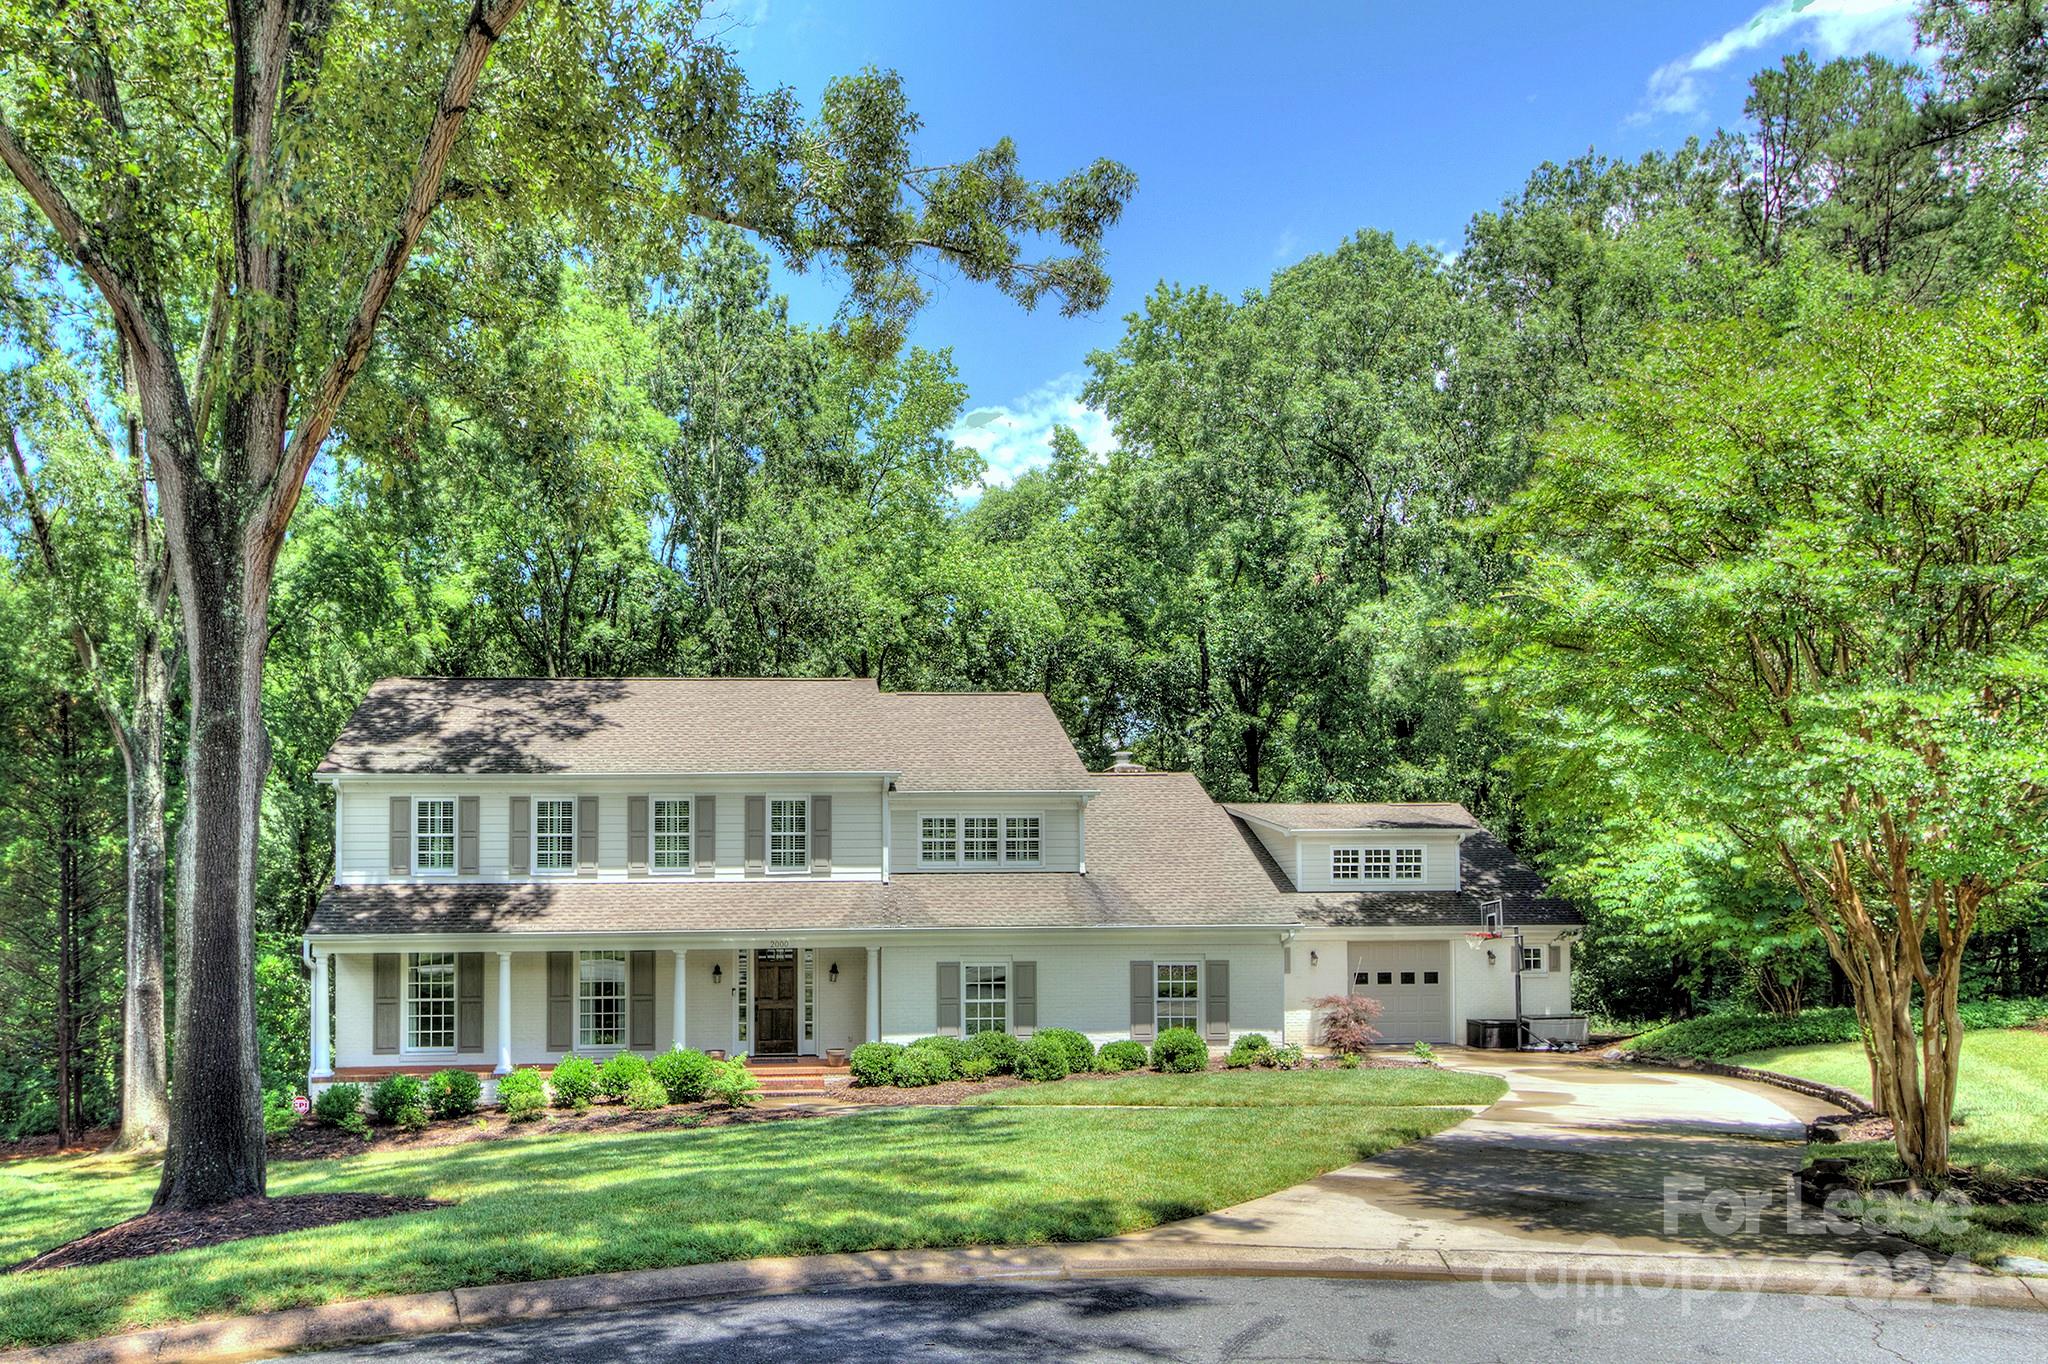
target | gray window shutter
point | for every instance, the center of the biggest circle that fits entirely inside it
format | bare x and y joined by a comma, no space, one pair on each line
466,815
636,835
757,835
1143,991
1556,957
640,1000
520,845
401,835
384,1009
949,998
821,835
1023,997
561,1001
586,836
469,1001
1216,1000
704,834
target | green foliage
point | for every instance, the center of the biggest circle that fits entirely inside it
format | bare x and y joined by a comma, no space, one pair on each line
1247,1050
1422,1052
999,1047
1349,1060
684,1072
1043,1059
1719,1036
975,1066
1120,1056
1075,1047
523,1094
399,1100
732,1084
874,1063
1289,1057
340,1106
918,1065
454,1093
574,1082
954,1049
1180,1050
644,1094
278,1114
617,1076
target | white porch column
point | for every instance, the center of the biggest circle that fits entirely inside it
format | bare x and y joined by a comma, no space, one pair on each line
874,994
323,1061
681,997
504,1014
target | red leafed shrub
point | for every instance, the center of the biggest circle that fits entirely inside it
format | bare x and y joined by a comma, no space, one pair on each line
1348,1022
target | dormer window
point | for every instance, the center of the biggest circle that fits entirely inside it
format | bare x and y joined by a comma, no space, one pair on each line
978,839
1376,864
1344,864
1020,838
1407,864
938,840
956,840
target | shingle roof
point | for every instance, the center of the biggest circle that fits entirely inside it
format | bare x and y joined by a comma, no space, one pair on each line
1491,870
1331,817
631,726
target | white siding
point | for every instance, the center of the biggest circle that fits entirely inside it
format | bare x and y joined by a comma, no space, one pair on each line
1439,860
1059,828
1479,988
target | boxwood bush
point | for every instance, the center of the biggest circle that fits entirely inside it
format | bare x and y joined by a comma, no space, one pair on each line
400,1100
1078,1050
954,1049
1117,1056
454,1093
617,1076
340,1106
1042,1059
1248,1050
977,1067
574,1081
1180,1050
874,1063
522,1094
732,1084
645,1093
917,1065
684,1072
998,1047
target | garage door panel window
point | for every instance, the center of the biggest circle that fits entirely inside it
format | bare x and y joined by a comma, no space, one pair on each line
1177,996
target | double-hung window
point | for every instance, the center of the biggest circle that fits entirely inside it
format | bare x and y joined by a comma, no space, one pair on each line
671,822
554,834
789,836
430,1001
1020,838
1176,1001
1377,863
433,835
938,840
1407,864
601,999
1345,864
956,840
978,839
984,998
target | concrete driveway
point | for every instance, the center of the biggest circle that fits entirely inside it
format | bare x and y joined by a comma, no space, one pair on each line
1577,1158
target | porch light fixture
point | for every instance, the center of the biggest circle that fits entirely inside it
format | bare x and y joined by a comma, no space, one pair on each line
833,974
1314,956
717,973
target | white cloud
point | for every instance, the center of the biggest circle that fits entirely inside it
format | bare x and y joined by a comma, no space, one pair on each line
1831,27
1016,437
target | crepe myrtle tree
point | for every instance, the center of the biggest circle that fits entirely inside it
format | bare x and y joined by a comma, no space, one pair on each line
1789,588
242,187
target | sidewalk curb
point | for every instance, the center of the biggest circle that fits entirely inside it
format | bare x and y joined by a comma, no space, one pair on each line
1506,1273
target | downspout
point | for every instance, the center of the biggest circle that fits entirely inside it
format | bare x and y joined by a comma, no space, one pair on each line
887,785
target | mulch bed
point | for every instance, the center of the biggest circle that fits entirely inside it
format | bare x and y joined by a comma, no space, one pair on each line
155,1233
99,1139
1836,1127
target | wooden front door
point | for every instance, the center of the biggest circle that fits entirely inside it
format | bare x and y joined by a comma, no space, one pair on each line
775,988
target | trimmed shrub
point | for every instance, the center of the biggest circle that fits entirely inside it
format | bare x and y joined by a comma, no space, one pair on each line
1042,1059
1288,1058
1346,1021
1248,1050
1119,1056
998,1047
616,1077
732,1084
454,1093
684,1073
874,1063
523,1094
644,1094
1349,1060
977,1067
278,1114
1721,1036
954,1049
574,1081
917,1066
1078,1050
400,1100
340,1106
1181,1051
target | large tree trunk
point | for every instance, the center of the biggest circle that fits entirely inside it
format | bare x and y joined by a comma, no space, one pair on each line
145,1104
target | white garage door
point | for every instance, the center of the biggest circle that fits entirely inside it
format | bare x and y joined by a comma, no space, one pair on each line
1412,981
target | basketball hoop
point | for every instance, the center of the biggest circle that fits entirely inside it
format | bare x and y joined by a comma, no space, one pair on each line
1477,940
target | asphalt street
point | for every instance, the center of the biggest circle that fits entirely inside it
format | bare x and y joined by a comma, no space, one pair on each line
1252,1319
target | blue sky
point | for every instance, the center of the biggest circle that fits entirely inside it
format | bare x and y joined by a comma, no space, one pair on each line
1260,134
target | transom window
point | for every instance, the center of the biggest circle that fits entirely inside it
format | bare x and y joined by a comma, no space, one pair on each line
430,1001
1176,1001
978,840
985,998
601,999
1020,838
1344,864
433,834
671,834
554,834
953,840
938,839
789,838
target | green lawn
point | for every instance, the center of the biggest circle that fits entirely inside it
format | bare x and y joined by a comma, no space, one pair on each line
2002,1103
548,1206
1262,1088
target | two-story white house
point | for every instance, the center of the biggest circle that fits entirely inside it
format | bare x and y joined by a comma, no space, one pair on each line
526,868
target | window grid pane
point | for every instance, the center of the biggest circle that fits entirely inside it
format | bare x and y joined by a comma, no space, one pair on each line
739,976
1532,959
810,994
1020,838
938,839
554,835
1378,862
1408,864
1344,864
601,1000
978,838
430,999
788,834
671,835
1175,1005
985,995
434,835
